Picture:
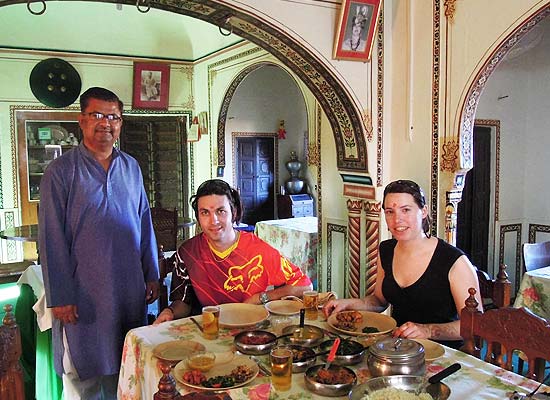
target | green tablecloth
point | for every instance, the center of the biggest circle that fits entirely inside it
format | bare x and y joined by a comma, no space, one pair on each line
37,351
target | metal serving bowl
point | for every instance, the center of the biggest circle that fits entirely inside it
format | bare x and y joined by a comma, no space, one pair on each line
323,389
308,335
349,352
255,342
409,383
301,364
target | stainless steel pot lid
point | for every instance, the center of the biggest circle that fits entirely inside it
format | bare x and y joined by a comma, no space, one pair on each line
397,349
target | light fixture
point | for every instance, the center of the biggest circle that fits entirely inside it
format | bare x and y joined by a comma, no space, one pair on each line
226,23
146,4
36,12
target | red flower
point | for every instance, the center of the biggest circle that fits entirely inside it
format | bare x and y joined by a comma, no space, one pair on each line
260,392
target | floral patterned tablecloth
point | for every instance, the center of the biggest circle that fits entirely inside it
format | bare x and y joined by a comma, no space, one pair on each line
534,292
140,373
295,238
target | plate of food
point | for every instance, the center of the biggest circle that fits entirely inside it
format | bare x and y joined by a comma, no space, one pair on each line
177,350
432,350
360,323
240,315
240,371
284,307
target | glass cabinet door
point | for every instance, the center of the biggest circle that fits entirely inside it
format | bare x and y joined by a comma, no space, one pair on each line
42,135
45,142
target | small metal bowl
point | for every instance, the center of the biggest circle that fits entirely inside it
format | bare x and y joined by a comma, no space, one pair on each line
408,383
255,342
349,352
301,364
309,335
324,389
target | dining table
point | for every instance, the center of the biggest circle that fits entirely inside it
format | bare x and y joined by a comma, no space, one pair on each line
140,371
534,292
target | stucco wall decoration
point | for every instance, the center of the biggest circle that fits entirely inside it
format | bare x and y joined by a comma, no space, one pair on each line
436,73
472,98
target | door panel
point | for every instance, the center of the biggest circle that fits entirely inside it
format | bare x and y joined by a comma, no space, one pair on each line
473,210
255,177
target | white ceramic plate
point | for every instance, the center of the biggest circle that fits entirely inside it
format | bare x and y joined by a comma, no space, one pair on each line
240,315
284,307
176,350
432,350
224,368
382,322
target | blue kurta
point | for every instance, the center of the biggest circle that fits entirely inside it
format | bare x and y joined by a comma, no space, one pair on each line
97,250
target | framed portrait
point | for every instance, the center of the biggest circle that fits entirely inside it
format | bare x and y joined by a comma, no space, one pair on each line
356,29
151,86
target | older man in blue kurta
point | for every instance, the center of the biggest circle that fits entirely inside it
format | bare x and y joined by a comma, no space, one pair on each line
97,249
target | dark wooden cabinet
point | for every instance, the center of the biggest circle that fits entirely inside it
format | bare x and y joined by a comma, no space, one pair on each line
294,205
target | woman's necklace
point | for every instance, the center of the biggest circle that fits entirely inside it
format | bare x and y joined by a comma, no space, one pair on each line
220,256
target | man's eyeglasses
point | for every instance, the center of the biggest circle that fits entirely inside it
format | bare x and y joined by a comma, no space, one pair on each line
99,116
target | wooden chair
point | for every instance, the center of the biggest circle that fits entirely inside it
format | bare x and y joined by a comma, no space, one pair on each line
165,224
11,373
164,269
495,293
506,330
536,255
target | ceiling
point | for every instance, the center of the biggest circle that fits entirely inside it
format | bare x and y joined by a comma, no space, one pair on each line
111,29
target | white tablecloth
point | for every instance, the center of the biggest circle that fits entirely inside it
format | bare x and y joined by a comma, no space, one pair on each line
32,276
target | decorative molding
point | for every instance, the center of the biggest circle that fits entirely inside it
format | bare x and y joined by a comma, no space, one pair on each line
380,98
318,124
450,8
222,116
494,123
449,158
534,228
436,71
331,230
354,246
503,230
372,238
471,100
360,192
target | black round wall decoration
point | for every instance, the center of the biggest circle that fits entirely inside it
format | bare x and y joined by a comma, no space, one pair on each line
55,82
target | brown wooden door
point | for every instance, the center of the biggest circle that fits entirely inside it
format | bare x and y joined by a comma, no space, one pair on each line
256,177
473,211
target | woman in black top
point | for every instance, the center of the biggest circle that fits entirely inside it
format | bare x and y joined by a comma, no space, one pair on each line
425,279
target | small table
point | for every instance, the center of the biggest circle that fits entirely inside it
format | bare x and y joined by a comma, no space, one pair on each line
23,233
296,239
534,292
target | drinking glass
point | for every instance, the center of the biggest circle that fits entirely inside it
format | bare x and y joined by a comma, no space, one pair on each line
281,367
311,302
210,322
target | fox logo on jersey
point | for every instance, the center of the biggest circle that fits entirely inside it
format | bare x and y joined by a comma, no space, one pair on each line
241,277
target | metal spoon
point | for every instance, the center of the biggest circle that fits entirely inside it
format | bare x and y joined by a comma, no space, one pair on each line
538,387
451,369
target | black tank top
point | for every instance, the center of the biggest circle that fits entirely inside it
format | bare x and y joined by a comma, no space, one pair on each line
429,299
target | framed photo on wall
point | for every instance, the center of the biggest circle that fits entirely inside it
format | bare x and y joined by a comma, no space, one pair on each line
356,29
151,86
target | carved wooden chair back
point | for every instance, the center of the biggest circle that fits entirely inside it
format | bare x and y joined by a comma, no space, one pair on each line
164,270
11,373
536,255
165,224
495,293
506,330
